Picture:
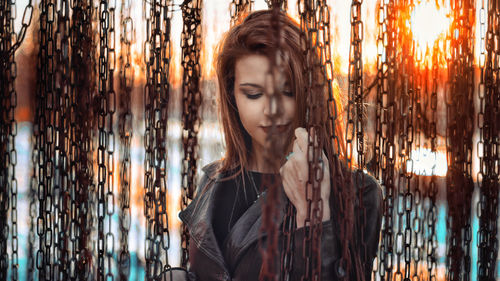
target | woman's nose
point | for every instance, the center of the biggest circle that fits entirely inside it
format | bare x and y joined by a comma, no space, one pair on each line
271,107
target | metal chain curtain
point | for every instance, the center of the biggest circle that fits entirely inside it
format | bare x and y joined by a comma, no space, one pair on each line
157,50
9,42
191,101
126,83
72,189
488,146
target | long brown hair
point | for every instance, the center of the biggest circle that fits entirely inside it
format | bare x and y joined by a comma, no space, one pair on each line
253,36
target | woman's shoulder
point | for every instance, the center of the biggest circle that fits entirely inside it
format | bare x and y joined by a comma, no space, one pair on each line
210,170
369,186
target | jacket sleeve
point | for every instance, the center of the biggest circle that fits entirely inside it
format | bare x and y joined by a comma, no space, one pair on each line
331,268
329,252
372,202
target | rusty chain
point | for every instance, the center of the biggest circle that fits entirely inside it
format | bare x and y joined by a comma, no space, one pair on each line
191,103
268,247
156,95
110,158
105,103
125,122
356,119
432,212
8,130
385,132
405,103
62,114
280,4
239,9
25,23
44,120
487,150
314,24
417,190
460,108
80,140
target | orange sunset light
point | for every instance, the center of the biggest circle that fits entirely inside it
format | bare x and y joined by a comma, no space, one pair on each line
429,23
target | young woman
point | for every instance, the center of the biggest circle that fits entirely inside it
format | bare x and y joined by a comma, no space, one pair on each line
225,217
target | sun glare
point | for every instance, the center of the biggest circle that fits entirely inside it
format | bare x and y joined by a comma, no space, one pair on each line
427,163
429,23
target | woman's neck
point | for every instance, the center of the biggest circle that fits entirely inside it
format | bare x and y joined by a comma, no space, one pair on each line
258,161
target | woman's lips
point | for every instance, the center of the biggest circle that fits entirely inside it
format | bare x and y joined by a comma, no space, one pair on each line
278,129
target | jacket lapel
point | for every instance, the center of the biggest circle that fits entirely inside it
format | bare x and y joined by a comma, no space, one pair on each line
247,230
198,218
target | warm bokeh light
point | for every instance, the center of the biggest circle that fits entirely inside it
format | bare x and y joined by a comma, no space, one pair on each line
428,163
429,23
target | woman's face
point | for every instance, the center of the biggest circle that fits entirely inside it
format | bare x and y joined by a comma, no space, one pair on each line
251,78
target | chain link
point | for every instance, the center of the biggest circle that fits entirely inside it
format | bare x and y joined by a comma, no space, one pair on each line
385,132
239,9
45,140
105,143
487,150
460,108
125,130
8,130
191,100
61,114
314,23
432,212
355,118
280,4
270,213
156,95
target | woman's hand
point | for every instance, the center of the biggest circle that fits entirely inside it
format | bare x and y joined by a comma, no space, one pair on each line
294,174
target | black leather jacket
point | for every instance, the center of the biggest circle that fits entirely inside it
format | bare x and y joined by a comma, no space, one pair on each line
239,258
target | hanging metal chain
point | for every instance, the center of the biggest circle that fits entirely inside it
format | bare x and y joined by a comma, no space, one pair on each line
324,49
386,111
313,19
125,130
280,4
432,212
405,103
459,140
156,96
30,270
110,154
45,140
418,191
18,38
106,105
8,154
191,100
61,190
489,108
268,246
81,121
355,118
354,127
239,9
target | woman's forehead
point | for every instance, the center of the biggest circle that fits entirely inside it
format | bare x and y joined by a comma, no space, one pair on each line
253,70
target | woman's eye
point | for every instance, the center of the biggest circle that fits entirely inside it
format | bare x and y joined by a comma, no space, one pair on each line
253,96
288,93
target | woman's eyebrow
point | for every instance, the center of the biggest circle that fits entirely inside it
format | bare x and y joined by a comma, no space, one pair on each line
251,85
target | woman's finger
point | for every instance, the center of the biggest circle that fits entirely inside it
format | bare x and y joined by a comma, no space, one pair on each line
301,135
287,186
296,148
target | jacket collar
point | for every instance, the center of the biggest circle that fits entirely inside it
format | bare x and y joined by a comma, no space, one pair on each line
198,217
